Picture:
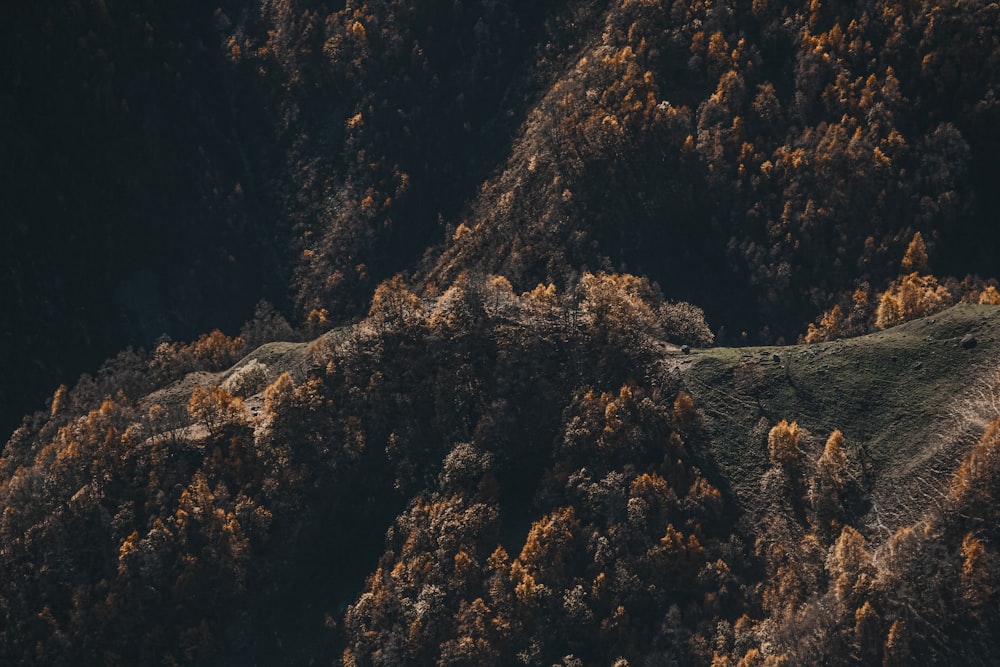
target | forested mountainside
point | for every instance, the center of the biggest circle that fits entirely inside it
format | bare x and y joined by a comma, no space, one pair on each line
498,479
468,241
763,160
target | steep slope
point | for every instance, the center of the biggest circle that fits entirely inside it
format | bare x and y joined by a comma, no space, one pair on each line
760,160
909,401
500,455
136,160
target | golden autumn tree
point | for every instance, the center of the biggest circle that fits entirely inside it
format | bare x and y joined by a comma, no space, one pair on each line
989,296
915,259
543,301
910,297
458,310
278,395
896,650
840,323
849,564
977,589
216,350
620,305
472,644
684,416
867,632
215,408
915,293
829,482
783,444
541,565
829,328
971,486
394,306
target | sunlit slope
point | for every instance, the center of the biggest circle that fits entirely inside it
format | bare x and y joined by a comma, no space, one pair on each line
904,399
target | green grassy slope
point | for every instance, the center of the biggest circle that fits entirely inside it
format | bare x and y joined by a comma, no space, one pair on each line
894,394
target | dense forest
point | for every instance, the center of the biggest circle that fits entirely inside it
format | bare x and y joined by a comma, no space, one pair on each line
451,274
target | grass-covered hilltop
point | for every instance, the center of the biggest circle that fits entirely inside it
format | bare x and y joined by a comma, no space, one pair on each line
625,333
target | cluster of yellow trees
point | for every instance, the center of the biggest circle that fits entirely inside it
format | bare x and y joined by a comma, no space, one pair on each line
913,294
829,591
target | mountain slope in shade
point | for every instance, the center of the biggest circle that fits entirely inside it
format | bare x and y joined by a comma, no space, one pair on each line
761,161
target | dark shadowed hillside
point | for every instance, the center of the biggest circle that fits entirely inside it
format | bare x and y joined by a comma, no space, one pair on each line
136,168
178,164
529,390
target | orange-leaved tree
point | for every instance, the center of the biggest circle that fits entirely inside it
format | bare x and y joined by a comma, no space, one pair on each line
215,408
915,293
783,444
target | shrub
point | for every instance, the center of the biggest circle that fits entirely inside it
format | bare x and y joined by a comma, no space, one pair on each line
247,380
989,296
684,323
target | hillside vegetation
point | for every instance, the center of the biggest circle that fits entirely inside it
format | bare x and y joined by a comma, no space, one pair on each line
528,392
763,160
538,481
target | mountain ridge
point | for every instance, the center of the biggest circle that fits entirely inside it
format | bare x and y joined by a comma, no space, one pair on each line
467,432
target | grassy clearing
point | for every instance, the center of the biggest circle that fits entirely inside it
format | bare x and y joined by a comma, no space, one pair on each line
889,392
278,357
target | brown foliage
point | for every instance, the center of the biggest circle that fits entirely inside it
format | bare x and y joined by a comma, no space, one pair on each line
215,408
684,416
989,296
830,327
849,564
829,482
836,323
897,648
278,395
783,444
915,293
216,350
977,573
394,305
541,565
910,297
868,633
685,324
620,304
915,259
657,141
972,485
